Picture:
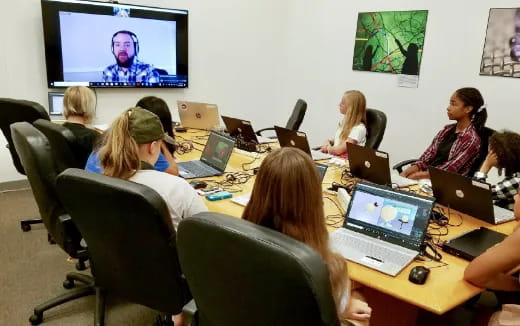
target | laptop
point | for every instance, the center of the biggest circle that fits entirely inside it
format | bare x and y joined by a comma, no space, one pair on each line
293,138
56,105
468,196
213,160
374,166
383,229
243,200
472,244
198,115
244,129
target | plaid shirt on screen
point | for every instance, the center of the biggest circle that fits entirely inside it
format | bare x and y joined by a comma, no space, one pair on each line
137,72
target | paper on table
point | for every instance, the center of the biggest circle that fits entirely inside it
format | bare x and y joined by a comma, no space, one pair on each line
410,81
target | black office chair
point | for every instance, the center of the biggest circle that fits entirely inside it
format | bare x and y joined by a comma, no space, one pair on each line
131,240
12,111
241,273
376,125
62,142
484,134
35,155
295,120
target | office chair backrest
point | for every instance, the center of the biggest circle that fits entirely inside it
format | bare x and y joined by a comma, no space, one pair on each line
12,111
297,115
241,273
36,157
62,142
376,125
130,237
484,135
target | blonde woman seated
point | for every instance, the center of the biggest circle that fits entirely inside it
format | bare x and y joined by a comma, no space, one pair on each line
287,197
352,129
131,148
79,105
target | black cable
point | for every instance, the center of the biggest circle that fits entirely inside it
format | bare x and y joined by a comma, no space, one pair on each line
248,163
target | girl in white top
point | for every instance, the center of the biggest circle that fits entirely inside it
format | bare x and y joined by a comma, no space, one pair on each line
352,129
130,150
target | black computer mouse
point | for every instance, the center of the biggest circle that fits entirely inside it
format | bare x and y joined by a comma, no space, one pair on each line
419,274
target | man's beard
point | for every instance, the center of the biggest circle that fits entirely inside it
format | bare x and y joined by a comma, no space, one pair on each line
124,60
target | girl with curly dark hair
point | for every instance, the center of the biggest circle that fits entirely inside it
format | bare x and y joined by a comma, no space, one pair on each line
504,154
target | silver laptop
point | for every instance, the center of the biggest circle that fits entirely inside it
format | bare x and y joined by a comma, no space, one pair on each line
383,229
369,164
56,105
213,160
293,138
468,196
198,115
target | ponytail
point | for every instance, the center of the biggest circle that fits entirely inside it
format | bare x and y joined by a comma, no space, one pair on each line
479,118
119,153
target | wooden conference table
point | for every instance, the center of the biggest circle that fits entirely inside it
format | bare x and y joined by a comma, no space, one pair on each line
444,288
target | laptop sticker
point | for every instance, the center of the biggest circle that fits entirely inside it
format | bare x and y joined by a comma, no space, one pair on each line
383,155
367,164
292,143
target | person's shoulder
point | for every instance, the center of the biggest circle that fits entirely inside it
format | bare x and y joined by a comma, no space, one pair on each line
110,68
143,65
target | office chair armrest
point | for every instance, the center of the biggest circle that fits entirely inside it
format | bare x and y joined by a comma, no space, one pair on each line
190,313
259,132
71,237
399,166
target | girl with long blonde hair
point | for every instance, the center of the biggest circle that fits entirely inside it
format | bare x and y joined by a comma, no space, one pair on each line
352,129
287,197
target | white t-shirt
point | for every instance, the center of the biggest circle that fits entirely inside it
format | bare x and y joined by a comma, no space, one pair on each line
357,133
182,200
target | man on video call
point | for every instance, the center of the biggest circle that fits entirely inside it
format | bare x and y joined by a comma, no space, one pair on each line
125,47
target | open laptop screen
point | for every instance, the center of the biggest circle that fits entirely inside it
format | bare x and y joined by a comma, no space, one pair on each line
217,151
394,216
55,104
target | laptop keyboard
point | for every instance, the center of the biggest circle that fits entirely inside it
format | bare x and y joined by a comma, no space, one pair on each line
502,215
197,168
357,248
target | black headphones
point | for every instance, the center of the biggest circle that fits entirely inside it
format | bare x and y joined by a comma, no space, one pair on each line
132,36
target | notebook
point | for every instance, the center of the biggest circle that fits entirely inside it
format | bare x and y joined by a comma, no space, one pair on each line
468,196
369,164
293,138
56,105
383,229
472,244
198,115
244,129
213,160
243,200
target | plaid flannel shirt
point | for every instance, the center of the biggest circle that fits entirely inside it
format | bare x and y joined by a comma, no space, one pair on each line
503,191
462,154
137,72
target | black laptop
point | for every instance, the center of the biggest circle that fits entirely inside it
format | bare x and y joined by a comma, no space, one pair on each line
468,196
213,160
374,166
244,129
472,244
293,138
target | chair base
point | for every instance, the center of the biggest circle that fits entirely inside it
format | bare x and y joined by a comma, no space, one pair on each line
26,224
89,289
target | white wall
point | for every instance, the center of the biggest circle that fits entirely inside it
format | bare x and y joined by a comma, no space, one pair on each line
234,50
255,58
319,68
